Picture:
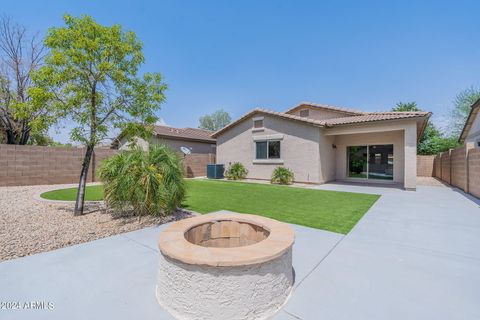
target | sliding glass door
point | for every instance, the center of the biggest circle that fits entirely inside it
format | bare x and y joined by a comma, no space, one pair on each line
370,162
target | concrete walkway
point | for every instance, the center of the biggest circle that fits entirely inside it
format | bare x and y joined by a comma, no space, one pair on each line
414,255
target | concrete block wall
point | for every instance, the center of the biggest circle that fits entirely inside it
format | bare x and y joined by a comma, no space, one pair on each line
425,166
474,172
459,167
195,164
445,164
34,165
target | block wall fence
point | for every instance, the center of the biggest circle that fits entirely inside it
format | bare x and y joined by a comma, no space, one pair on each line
459,167
36,165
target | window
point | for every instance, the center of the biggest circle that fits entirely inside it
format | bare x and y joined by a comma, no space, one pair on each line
370,162
304,113
257,123
269,149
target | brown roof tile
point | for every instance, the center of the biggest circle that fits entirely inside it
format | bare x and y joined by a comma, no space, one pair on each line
327,107
375,116
184,133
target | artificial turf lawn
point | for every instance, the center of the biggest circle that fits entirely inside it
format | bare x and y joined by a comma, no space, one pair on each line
328,210
92,193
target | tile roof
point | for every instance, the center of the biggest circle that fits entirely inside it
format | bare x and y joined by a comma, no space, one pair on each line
326,106
184,133
360,117
375,116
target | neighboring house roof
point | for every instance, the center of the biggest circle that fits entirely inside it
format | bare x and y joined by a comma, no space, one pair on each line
184,133
471,117
359,117
191,134
326,107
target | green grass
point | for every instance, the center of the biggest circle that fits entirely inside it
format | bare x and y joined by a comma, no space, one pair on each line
93,193
328,210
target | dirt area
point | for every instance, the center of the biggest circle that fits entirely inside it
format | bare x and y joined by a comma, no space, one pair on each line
29,226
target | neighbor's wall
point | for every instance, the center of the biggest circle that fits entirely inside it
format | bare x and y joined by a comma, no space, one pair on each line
194,146
33,165
195,164
425,165
175,144
299,148
460,167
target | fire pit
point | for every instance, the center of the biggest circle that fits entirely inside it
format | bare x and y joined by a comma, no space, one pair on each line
225,266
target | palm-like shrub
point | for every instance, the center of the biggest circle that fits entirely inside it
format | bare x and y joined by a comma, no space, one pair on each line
236,172
145,182
282,175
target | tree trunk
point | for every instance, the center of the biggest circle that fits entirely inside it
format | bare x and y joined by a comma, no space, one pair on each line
80,201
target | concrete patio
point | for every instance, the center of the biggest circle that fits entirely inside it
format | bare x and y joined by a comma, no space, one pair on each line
414,255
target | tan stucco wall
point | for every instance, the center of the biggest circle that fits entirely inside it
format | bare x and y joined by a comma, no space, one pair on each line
474,133
175,144
300,149
392,137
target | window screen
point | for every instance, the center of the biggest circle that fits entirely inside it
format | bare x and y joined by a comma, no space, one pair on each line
261,148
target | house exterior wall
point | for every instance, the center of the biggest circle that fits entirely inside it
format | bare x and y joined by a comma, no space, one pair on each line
392,137
300,149
175,144
473,138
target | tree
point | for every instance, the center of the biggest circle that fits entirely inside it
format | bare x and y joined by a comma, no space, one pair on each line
215,121
432,141
461,108
406,106
91,76
20,55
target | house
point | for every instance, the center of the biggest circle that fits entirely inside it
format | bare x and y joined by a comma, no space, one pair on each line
197,140
322,143
470,135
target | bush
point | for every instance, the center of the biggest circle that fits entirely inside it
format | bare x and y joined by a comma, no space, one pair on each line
282,175
145,182
236,172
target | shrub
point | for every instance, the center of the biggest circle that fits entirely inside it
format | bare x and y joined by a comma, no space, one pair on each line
236,172
145,182
282,175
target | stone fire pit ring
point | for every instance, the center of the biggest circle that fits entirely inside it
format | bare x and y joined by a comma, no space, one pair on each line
225,266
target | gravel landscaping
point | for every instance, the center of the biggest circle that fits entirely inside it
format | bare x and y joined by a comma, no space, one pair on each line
29,226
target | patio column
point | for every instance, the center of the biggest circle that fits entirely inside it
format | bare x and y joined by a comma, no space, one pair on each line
410,142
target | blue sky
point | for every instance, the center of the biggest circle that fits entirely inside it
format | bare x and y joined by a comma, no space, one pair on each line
238,55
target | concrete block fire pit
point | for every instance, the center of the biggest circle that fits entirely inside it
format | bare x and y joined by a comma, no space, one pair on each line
225,266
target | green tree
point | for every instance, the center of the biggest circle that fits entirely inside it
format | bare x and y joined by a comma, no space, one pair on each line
215,121
432,141
406,106
91,76
461,108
